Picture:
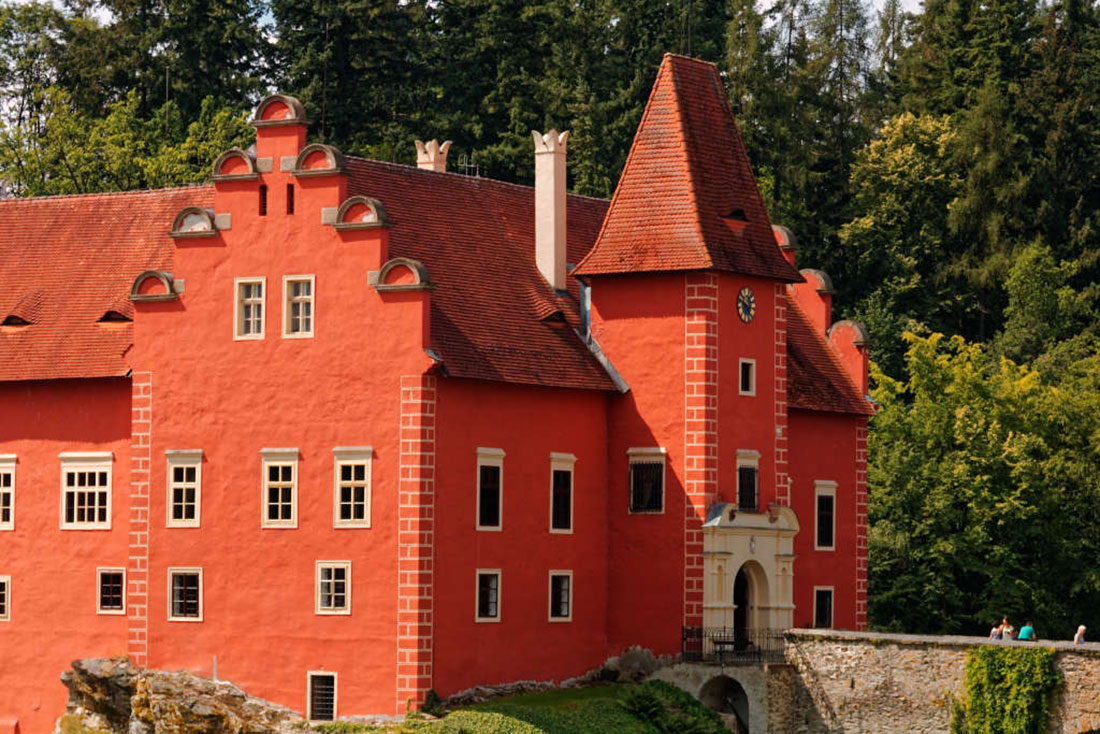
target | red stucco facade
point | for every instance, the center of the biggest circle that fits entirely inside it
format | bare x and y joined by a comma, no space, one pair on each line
434,349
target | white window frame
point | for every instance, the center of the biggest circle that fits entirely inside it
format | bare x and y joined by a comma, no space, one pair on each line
87,461
351,456
335,693
99,589
748,459
751,392
287,280
827,489
331,611
647,455
550,595
238,309
478,573
6,581
489,457
182,458
279,457
202,593
832,607
562,462
7,466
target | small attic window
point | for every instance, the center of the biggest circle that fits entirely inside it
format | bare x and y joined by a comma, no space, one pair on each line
736,220
112,317
14,320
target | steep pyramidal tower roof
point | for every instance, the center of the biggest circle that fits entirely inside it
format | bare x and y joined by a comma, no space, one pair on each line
687,199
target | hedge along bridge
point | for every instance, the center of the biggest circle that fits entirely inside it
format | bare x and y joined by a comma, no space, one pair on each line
850,682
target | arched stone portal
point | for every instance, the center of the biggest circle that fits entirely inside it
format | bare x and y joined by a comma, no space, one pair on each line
726,696
748,562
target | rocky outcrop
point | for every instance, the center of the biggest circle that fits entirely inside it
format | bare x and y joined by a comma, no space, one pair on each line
111,696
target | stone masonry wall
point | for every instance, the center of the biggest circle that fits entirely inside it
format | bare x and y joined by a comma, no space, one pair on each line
857,682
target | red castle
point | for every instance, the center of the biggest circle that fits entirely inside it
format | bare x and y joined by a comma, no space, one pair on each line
344,431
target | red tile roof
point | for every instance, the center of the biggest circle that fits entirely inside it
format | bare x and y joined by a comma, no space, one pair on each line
687,199
67,260
815,378
493,315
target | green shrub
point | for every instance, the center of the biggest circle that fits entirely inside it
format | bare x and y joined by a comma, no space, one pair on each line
1008,691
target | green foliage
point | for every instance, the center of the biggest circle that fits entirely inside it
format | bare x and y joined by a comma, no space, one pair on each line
59,150
985,478
1008,691
345,727
672,711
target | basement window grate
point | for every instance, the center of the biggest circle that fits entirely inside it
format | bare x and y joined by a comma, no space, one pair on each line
322,697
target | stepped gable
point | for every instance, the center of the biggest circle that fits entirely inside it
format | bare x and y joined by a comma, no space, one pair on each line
687,198
816,380
67,260
493,316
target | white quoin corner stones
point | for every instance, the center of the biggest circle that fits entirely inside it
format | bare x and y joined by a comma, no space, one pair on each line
550,206
432,156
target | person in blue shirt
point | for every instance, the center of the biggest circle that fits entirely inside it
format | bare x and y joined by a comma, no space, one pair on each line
1027,632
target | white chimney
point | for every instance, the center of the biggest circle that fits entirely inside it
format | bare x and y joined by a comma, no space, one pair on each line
550,206
432,156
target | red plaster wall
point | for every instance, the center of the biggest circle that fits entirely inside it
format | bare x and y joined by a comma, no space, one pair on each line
53,571
639,323
232,398
527,424
824,447
746,422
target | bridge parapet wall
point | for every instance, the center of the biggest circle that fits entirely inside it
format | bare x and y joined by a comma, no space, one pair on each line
869,683
874,682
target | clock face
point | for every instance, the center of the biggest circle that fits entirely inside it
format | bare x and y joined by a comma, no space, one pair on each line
746,304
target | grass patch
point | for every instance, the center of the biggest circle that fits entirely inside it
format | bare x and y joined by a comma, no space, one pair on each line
647,708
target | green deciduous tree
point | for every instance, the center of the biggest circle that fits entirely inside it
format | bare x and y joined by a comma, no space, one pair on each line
984,493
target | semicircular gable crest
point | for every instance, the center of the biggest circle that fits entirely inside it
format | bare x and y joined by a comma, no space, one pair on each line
853,330
279,109
319,159
235,165
821,280
153,285
401,274
194,221
361,212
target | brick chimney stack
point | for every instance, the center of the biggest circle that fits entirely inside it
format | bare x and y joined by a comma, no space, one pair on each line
432,156
550,206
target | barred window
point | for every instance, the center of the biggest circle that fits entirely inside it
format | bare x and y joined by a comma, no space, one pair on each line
322,696
647,484
746,489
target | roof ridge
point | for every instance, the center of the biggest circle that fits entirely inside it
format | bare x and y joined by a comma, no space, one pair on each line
458,176
105,194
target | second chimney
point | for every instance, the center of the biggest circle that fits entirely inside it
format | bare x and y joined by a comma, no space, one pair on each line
432,156
550,206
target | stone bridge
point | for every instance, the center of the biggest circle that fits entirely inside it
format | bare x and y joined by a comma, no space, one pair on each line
863,682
